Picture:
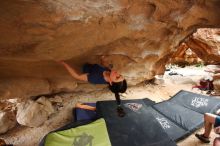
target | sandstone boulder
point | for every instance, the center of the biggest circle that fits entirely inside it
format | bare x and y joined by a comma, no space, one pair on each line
34,113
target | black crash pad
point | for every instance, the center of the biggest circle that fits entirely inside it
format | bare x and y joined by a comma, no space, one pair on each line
196,102
137,128
174,131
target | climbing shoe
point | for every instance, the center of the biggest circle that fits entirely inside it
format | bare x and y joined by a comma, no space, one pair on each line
203,138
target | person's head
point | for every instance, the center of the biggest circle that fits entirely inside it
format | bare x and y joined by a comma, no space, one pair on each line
117,84
118,87
115,77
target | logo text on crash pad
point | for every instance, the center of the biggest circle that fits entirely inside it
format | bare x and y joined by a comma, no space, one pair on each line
199,102
133,106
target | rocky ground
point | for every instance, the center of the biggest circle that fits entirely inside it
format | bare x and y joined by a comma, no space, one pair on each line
162,89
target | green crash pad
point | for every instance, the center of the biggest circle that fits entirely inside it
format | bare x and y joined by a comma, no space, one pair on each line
93,134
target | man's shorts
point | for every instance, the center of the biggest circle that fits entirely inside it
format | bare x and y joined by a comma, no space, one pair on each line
217,121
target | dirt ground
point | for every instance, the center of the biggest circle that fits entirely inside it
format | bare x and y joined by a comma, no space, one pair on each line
162,90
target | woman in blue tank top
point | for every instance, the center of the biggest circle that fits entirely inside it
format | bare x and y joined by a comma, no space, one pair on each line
97,74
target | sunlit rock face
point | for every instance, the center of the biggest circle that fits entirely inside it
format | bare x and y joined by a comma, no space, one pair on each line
203,46
206,43
184,56
138,37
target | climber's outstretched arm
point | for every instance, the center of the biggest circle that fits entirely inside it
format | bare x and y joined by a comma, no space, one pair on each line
73,73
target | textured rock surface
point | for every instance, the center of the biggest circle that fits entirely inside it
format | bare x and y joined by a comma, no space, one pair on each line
7,121
206,44
138,37
184,56
34,114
